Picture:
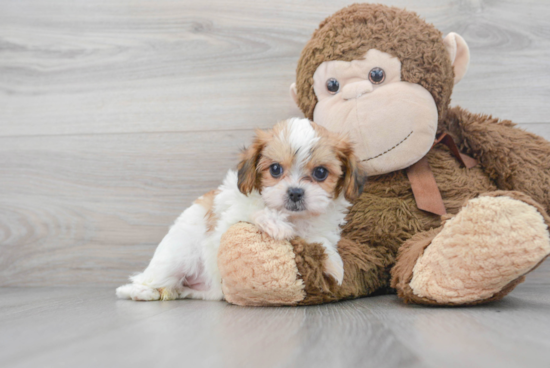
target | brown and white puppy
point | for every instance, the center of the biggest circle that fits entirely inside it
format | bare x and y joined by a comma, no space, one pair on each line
302,171
294,180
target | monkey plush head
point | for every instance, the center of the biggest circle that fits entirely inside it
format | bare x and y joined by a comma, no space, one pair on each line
383,76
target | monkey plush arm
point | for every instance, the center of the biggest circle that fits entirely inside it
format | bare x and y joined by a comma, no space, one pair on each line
259,271
513,158
365,271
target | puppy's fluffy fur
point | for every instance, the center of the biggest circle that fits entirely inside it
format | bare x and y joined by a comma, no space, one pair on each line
295,180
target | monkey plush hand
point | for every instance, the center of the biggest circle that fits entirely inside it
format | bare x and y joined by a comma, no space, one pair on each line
431,224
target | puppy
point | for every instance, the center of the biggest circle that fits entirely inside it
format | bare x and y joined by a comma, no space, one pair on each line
295,180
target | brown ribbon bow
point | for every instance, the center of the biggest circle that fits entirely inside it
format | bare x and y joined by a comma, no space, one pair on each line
426,193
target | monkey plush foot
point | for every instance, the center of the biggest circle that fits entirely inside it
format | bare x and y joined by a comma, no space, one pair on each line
479,255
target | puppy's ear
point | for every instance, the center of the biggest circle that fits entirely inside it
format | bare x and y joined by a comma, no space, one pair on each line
248,175
354,177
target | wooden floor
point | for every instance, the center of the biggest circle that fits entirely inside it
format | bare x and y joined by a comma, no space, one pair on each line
116,114
88,327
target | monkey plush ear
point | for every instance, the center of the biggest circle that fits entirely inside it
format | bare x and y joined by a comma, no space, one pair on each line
459,54
294,93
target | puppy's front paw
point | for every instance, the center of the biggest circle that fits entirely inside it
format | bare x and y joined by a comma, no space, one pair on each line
274,224
334,266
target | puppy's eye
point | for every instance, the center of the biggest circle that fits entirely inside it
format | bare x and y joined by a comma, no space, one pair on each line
320,173
276,170
333,86
377,75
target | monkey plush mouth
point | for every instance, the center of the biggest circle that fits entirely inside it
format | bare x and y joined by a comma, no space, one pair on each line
389,150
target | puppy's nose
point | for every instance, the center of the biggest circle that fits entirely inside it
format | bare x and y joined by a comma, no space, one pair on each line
295,194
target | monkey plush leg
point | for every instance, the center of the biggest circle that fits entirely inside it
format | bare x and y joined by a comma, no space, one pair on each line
478,256
259,271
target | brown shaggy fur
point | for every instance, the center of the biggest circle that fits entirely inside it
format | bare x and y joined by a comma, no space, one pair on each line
380,222
514,159
349,33
363,270
385,218
385,221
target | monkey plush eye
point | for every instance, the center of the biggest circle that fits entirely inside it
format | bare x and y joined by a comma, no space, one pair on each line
333,86
377,75
320,173
276,170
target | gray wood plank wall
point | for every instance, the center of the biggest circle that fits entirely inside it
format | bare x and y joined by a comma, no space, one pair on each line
116,114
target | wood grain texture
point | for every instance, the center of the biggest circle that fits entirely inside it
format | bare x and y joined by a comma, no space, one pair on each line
88,327
90,209
151,66
115,115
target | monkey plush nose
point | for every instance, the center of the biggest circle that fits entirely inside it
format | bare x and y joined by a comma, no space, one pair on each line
295,194
356,90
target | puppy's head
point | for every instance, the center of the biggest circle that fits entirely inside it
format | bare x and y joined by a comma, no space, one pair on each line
300,167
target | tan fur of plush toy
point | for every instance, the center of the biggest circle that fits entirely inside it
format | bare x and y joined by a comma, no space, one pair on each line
387,242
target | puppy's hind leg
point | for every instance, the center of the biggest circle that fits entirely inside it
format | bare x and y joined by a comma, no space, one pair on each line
177,256
137,292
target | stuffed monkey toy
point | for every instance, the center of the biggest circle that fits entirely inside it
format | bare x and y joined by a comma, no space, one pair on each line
455,211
